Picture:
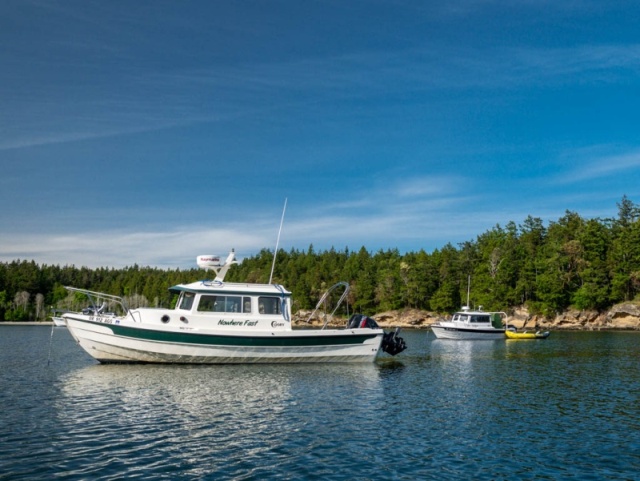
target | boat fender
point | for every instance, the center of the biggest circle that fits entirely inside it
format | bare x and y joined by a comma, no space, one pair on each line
165,319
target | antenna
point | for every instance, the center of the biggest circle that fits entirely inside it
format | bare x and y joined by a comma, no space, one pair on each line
273,266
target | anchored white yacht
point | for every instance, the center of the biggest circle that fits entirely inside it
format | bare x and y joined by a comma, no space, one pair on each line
468,324
218,322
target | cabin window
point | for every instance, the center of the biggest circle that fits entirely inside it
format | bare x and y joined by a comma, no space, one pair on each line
223,304
484,319
208,304
232,304
246,304
269,305
186,301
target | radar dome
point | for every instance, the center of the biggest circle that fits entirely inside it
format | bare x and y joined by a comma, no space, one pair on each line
208,261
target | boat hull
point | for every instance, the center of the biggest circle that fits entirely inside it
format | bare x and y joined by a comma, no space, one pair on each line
130,342
461,333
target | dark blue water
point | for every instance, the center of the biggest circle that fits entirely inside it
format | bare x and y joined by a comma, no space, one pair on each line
564,408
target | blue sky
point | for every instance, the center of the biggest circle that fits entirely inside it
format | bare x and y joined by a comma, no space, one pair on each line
150,132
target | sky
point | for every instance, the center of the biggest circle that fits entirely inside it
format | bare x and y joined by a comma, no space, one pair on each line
151,132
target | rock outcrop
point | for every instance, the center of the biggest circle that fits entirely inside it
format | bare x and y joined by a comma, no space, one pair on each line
621,316
624,316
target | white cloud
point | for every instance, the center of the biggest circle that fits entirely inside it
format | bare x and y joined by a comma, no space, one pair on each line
597,162
378,218
610,165
177,248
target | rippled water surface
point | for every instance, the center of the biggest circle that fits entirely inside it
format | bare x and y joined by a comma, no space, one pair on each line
564,408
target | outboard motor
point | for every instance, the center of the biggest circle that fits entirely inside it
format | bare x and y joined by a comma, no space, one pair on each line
391,342
360,320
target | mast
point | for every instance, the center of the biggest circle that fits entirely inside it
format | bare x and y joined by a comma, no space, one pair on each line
278,241
468,289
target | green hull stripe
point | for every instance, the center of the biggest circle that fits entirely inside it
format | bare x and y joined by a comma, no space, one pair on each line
235,340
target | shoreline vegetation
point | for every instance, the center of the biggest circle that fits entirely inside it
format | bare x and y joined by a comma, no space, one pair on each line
574,273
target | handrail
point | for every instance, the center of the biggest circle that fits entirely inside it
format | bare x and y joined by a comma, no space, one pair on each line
324,297
100,297
283,304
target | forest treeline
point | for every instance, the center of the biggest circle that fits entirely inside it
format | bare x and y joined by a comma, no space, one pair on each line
572,262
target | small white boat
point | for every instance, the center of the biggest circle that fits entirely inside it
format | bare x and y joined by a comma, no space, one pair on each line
468,324
217,322
58,321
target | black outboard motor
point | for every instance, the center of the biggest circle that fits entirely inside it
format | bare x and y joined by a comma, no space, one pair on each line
391,342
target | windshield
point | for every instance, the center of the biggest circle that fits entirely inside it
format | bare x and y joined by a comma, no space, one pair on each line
186,300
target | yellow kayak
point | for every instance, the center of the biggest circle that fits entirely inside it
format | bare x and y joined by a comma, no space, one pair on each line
526,335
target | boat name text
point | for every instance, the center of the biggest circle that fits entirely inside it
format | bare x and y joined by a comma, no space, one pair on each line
223,322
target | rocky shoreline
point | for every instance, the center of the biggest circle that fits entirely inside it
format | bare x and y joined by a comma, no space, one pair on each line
624,316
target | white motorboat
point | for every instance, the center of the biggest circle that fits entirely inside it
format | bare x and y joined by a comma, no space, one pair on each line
468,324
217,322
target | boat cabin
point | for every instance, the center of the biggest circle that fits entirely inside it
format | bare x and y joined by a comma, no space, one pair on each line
233,304
479,318
472,318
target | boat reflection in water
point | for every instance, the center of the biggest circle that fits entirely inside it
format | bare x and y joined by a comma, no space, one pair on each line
203,419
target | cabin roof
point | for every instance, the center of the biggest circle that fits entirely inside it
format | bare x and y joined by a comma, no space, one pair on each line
215,287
